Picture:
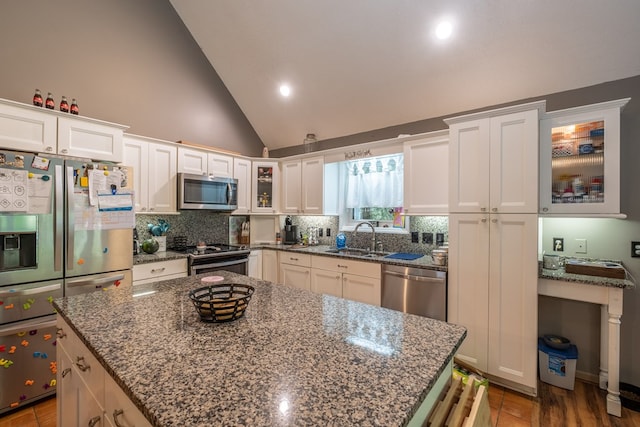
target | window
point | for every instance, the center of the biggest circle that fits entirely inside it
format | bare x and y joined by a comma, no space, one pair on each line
372,190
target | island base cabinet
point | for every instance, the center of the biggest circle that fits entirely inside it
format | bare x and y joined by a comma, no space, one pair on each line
326,282
119,409
77,404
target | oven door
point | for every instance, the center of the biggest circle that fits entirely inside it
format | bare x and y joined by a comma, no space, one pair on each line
235,264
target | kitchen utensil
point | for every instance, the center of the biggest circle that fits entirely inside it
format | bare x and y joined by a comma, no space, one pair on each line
223,302
439,256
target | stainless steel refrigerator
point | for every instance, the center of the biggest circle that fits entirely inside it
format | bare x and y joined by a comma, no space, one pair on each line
66,227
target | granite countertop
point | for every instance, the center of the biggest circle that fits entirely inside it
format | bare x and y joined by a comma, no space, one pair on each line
561,274
144,258
422,262
295,358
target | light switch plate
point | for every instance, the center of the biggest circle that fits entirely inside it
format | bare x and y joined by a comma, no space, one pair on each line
581,246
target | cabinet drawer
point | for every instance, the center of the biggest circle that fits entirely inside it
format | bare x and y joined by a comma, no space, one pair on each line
84,362
160,270
367,269
303,260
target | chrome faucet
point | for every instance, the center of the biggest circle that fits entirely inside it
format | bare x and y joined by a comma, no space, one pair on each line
373,233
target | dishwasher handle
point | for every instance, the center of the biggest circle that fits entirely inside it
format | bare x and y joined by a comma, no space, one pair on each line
415,278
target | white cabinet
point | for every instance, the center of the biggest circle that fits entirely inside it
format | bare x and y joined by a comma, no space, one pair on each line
157,271
265,176
295,270
27,128
87,395
291,186
201,162
154,168
90,139
580,160
80,381
242,172
492,291
255,264
270,266
493,160
303,185
426,175
354,280
119,409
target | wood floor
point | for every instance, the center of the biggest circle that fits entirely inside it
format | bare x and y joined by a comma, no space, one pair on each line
554,407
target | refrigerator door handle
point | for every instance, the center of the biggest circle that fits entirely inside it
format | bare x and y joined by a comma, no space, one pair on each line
100,281
70,219
27,325
58,214
13,292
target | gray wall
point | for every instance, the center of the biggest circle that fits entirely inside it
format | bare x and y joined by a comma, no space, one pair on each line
128,62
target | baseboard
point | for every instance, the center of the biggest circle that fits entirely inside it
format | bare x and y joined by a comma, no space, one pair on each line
588,377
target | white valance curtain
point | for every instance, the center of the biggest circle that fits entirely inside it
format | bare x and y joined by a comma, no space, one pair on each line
374,182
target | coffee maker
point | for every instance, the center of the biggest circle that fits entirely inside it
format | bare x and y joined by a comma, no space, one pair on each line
290,232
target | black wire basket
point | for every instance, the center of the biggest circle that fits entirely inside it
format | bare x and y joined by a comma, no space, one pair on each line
223,302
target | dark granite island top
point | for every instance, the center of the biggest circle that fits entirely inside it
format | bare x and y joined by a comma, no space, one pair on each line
296,358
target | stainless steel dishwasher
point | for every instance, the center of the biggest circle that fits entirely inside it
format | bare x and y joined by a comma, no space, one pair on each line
415,290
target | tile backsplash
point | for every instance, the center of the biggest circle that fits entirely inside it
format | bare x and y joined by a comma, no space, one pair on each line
213,227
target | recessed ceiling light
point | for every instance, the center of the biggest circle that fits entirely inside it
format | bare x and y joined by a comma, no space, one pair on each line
444,30
285,90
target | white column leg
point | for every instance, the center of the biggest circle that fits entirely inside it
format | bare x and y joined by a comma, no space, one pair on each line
614,407
604,346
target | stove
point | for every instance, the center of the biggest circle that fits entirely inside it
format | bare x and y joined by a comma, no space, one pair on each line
215,257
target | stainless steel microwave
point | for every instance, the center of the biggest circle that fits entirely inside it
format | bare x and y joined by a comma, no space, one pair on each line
207,192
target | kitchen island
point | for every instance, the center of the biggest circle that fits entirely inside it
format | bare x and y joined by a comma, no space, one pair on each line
295,358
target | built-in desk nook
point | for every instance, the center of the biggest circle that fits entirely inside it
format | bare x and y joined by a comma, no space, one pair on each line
608,293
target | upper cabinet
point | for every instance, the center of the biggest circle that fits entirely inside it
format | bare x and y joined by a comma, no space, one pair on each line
493,160
27,128
242,172
154,168
426,175
265,177
302,186
201,162
580,160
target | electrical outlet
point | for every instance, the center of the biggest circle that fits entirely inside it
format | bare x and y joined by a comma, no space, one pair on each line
635,249
581,246
328,232
427,238
439,238
414,237
558,244
320,232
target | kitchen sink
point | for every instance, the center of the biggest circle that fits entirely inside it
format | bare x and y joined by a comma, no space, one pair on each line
357,252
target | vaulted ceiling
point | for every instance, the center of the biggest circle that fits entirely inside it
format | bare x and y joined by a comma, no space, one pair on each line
359,65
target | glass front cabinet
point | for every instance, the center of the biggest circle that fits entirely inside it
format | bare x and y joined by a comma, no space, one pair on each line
266,176
580,160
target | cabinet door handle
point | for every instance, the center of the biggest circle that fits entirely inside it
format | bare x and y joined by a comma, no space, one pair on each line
64,151
93,421
80,363
65,372
483,220
116,414
545,209
157,270
494,220
49,149
343,266
494,210
293,259
60,333
483,209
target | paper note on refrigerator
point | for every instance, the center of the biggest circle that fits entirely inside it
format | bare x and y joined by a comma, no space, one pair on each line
13,190
39,190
